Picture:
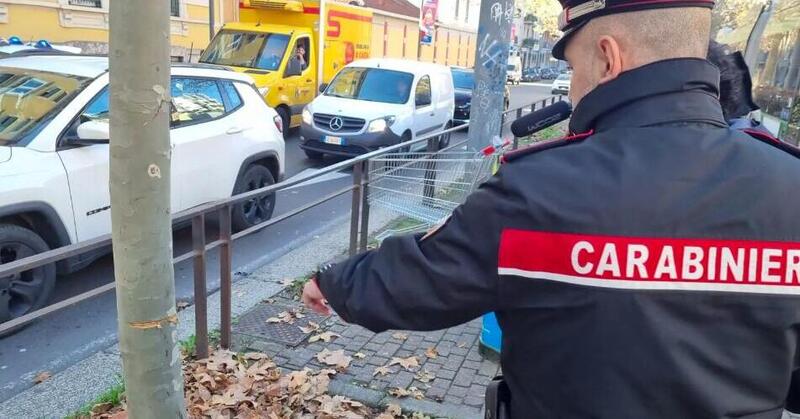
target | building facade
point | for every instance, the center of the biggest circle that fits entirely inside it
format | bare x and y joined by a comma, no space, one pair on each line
84,23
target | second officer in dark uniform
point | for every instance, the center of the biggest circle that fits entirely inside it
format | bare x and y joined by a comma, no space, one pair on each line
646,266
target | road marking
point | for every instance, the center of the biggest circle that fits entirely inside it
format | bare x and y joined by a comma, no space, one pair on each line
309,172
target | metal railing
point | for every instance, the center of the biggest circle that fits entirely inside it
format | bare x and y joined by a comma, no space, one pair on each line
359,230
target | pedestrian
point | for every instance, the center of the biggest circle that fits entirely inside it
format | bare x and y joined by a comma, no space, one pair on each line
646,266
735,86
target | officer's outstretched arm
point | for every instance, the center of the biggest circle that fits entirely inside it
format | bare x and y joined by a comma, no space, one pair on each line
445,279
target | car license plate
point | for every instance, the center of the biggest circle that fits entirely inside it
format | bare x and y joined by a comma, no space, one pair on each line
333,140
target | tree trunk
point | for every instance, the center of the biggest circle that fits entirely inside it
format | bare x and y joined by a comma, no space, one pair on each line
140,208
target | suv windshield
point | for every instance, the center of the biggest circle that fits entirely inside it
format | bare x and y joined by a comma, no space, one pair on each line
463,80
511,67
28,98
263,51
563,77
371,84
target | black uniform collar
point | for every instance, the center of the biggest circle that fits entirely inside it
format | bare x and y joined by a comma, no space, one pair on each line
664,92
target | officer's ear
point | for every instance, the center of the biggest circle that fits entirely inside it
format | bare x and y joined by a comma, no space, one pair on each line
610,56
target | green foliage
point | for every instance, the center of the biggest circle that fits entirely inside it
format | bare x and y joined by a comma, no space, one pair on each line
113,396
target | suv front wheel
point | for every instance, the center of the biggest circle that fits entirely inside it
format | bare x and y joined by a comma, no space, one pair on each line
255,210
28,291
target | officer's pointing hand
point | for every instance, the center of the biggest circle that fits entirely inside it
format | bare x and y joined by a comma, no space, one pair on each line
313,298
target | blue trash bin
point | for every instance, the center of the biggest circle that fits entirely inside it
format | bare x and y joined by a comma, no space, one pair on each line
491,335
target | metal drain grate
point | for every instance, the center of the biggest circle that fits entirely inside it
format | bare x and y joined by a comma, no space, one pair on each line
254,323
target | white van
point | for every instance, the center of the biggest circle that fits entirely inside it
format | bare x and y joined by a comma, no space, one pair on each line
514,70
376,103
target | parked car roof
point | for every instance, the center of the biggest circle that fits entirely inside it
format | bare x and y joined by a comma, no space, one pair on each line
408,66
93,66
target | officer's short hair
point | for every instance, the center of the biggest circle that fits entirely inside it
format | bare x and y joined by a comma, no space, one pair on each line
657,34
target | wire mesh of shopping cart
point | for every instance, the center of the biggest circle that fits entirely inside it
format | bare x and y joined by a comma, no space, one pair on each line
426,187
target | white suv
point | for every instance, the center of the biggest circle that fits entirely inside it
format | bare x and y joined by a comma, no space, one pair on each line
54,158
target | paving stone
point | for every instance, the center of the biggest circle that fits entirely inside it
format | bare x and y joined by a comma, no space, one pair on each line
445,374
473,401
474,356
457,391
459,351
471,364
388,349
402,379
488,368
377,361
476,390
436,393
464,377
404,353
374,347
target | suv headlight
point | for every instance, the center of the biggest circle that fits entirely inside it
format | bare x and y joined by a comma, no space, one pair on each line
307,119
380,124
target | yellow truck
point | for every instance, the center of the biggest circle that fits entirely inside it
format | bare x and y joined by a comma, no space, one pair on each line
276,42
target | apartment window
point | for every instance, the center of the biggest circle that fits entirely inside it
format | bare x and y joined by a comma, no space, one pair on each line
86,3
175,8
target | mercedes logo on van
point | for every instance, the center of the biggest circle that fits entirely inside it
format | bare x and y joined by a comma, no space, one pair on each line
336,123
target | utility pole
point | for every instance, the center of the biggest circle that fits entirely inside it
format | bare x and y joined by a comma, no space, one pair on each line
211,19
491,59
141,226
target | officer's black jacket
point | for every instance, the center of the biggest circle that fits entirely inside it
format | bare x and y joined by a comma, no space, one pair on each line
647,270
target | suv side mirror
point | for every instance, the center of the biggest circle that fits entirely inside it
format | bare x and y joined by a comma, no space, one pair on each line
323,87
93,132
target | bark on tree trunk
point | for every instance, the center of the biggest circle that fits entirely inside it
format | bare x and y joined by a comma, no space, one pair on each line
140,208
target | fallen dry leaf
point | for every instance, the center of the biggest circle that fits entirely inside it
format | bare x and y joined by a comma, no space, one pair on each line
325,337
462,345
392,411
101,408
334,358
407,363
384,370
286,317
424,376
312,327
42,377
400,336
359,355
410,392
432,353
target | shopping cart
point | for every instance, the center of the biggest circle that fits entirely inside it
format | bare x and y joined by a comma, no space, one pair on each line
425,187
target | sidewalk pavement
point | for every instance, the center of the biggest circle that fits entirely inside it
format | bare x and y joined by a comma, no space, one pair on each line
444,369
459,371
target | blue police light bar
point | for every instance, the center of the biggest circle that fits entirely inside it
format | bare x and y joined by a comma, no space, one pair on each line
43,44
15,40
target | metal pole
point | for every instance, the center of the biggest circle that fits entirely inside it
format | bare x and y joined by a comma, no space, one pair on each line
200,300
364,207
355,209
225,282
211,19
491,59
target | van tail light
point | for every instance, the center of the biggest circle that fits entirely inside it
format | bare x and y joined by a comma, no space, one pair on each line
278,123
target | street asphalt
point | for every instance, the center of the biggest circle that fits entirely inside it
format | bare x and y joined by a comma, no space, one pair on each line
73,334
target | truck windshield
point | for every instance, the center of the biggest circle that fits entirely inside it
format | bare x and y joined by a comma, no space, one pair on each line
28,99
263,51
371,84
463,80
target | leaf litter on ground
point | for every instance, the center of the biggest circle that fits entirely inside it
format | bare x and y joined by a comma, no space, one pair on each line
325,337
334,358
250,385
